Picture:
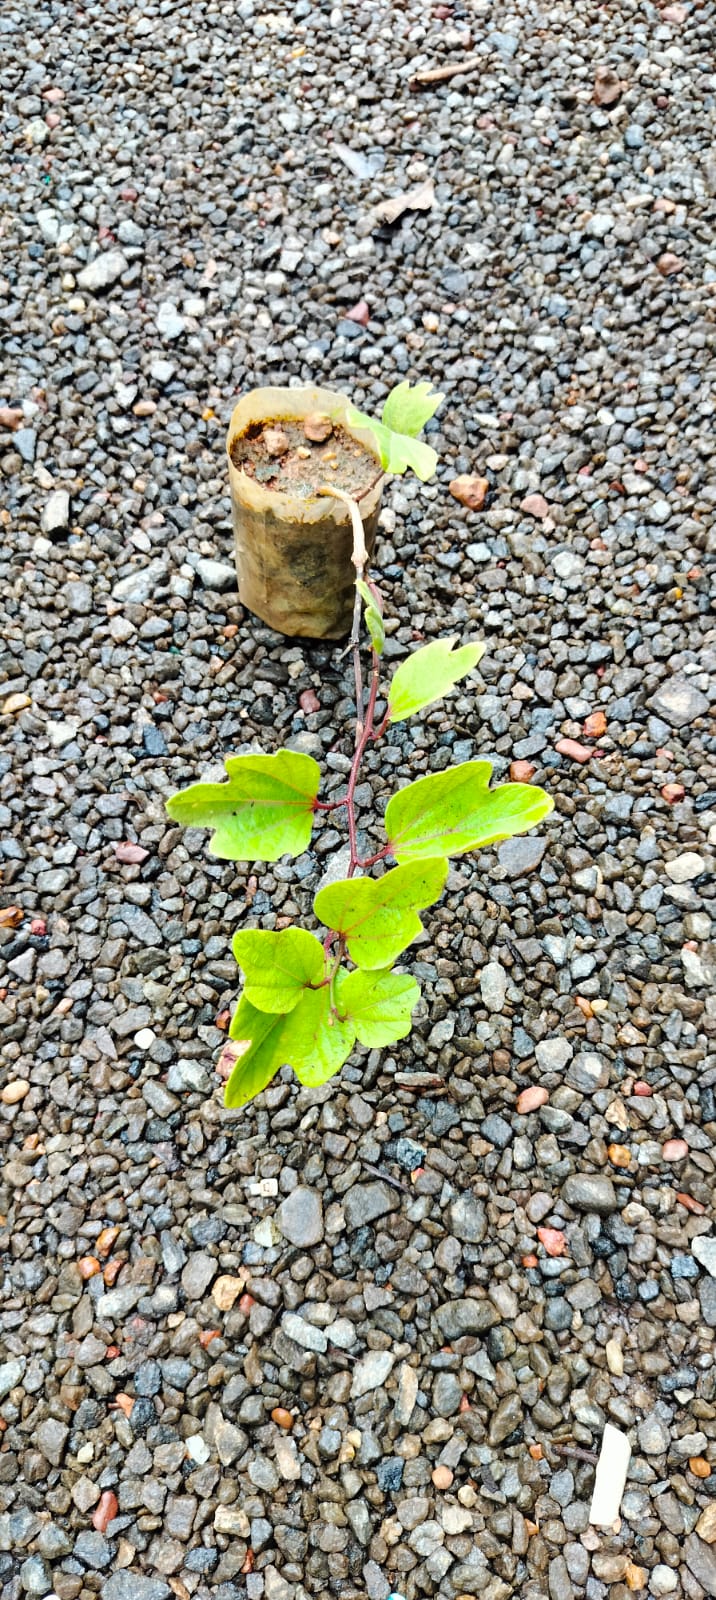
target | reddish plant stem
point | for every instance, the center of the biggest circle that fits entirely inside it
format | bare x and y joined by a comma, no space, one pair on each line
364,736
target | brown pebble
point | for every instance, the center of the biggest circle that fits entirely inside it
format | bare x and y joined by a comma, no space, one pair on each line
275,441
607,86
471,492
104,1241
105,1511
442,1477
13,1092
282,1418
88,1267
669,264
699,1467
317,427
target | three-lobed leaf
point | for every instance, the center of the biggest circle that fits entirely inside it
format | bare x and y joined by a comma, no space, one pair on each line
449,813
398,451
373,614
428,674
264,811
409,406
309,1038
277,967
378,1004
379,917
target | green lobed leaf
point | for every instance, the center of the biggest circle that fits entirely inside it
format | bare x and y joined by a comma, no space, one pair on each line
379,1005
263,812
373,616
408,407
316,1043
452,812
428,674
378,917
261,1058
398,451
309,1038
278,966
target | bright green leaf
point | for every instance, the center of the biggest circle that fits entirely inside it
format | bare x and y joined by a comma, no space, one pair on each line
309,1038
398,451
373,616
408,408
278,966
379,1004
315,1042
260,1058
263,812
428,674
452,812
378,917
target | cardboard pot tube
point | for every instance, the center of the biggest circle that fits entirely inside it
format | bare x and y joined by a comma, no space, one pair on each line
293,555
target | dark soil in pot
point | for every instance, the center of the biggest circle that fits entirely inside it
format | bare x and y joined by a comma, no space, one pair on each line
297,457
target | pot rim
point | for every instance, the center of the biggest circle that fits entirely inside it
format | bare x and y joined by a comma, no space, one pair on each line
268,404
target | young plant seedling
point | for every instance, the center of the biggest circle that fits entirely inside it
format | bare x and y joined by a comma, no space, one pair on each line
307,999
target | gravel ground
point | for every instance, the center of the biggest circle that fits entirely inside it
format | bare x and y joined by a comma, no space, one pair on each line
319,1347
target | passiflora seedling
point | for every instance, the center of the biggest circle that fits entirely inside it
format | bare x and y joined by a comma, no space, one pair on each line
306,997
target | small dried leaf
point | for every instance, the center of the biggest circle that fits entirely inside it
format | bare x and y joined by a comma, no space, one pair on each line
421,198
11,917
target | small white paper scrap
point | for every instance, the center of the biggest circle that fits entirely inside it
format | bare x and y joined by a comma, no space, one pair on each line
612,1468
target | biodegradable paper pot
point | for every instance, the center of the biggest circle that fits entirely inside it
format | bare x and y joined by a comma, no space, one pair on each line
293,555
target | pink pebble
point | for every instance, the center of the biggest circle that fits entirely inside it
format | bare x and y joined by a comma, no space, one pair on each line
530,1099
674,1150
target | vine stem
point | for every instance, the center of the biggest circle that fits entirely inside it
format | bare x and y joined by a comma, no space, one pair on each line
365,714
